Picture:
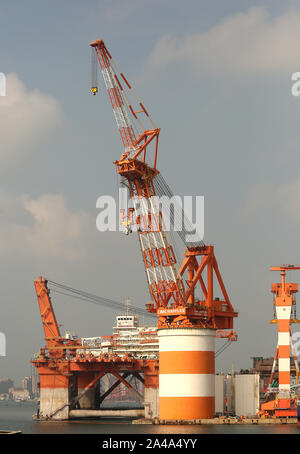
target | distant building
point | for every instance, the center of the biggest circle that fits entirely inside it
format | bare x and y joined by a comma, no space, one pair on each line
19,394
35,385
5,384
26,384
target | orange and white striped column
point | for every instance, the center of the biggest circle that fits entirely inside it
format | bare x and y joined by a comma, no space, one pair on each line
186,373
54,394
283,305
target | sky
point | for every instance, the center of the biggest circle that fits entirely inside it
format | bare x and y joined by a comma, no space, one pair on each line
216,78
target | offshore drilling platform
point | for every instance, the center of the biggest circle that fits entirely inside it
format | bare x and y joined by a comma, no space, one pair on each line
175,359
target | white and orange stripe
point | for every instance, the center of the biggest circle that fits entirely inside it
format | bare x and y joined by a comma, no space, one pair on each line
186,373
283,314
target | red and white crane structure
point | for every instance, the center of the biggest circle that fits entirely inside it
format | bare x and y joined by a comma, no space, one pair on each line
174,298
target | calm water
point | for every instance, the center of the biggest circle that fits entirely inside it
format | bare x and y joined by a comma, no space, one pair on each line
19,417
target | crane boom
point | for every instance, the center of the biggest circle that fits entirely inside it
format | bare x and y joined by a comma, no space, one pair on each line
130,124
157,251
50,324
55,343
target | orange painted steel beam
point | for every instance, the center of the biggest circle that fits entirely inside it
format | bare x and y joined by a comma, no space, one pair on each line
111,389
128,385
50,324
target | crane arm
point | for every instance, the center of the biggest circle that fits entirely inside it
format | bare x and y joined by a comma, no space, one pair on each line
50,325
134,165
54,342
130,114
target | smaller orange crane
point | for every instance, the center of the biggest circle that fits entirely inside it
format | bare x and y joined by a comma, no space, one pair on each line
286,400
56,344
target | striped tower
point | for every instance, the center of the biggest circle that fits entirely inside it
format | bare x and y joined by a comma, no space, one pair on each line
283,305
186,373
285,308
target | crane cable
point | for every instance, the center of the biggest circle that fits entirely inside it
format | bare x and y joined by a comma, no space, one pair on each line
222,348
163,189
101,301
91,298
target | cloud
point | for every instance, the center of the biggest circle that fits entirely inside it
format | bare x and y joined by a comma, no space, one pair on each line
252,43
27,118
42,228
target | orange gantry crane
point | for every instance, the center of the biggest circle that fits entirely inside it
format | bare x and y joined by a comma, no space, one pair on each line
172,288
285,402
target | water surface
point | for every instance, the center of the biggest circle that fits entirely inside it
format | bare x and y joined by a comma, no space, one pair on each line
19,417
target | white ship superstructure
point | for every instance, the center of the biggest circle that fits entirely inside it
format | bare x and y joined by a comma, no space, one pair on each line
128,338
